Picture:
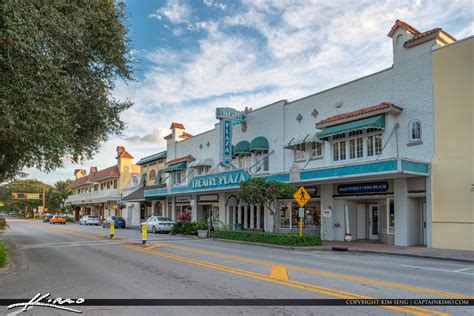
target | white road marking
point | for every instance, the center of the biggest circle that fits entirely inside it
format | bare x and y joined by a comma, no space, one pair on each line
308,254
442,270
74,244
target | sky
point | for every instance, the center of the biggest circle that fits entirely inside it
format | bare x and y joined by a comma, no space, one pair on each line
195,55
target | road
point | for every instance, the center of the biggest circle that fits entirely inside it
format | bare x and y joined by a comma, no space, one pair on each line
81,261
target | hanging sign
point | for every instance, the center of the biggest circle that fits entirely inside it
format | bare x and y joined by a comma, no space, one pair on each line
227,116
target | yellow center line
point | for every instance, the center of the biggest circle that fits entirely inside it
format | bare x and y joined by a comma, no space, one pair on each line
294,284
323,273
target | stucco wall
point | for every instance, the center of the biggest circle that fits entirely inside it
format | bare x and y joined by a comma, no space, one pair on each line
452,166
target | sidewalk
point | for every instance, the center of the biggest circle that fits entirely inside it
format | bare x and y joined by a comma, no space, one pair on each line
422,252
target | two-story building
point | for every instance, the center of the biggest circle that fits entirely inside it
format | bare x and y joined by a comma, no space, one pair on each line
100,192
363,150
137,208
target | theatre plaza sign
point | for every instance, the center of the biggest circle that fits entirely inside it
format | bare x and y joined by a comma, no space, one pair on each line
220,180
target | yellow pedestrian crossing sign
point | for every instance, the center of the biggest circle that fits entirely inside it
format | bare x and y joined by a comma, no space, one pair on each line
301,196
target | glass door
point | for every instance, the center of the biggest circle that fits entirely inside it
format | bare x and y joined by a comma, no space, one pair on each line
373,221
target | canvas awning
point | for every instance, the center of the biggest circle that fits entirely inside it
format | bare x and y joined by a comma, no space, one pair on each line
242,147
296,141
377,122
259,143
175,167
202,162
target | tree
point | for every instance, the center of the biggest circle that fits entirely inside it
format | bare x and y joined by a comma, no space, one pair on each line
24,206
56,195
59,61
258,191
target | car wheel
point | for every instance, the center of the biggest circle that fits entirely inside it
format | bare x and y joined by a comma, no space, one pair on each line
80,223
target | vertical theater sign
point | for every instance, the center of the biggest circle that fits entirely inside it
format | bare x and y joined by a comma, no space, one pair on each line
228,117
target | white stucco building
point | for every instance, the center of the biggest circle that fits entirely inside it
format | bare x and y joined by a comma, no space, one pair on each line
363,148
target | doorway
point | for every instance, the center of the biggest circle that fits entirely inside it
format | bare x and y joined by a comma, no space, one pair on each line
211,213
423,223
373,221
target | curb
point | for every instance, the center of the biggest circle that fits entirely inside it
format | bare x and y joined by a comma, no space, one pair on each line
340,249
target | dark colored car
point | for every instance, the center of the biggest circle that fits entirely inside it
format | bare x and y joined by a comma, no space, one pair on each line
47,218
118,222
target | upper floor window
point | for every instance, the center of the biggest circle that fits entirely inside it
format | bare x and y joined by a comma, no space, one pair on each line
178,177
339,150
152,175
245,161
316,149
374,145
356,148
299,151
202,170
415,130
115,184
261,161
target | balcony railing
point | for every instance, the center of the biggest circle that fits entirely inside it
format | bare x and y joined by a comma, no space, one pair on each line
94,196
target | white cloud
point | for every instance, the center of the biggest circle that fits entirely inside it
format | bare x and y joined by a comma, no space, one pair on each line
175,11
215,4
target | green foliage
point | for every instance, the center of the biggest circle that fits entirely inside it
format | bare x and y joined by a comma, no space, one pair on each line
70,220
23,186
3,224
202,225
55,196
260,191
184,228
270,238
59,61
3,254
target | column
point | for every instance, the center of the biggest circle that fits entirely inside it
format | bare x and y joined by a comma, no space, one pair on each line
152,208
257,209
327,202
194,210
239,214
252,212
173,207
429,213
245,216
401,211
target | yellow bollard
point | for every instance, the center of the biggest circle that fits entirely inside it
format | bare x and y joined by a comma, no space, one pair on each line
144,233
112,229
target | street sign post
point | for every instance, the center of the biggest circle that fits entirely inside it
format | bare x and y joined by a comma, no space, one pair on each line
302,197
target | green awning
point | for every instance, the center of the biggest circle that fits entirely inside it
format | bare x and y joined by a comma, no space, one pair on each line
242,147
377,122
259,143
175,167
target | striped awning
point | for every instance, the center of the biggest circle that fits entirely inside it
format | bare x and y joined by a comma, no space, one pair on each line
176,167
377,122
296,141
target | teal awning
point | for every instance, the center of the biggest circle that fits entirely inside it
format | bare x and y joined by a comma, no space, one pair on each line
175,167
259,143
242,147
377,122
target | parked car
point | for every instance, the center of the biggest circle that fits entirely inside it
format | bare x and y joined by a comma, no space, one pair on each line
118,222
58,219
157,224
47,218
89,220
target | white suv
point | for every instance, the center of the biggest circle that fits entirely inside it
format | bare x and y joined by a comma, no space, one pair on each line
89,220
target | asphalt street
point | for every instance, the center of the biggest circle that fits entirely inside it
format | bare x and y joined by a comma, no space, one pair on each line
81,261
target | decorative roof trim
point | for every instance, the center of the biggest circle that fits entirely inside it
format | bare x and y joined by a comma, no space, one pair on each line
403,25
176,160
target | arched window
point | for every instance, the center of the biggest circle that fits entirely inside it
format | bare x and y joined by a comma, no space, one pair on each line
415,130
152,175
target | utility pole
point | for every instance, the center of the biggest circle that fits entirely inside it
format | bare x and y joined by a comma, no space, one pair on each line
44,193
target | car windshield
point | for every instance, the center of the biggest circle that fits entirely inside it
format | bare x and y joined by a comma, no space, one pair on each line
164,219
93,217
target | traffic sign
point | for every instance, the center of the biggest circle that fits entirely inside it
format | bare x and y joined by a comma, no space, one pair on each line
302,196
301,212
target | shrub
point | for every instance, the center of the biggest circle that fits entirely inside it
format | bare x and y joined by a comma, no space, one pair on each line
184,228
70,220
270,238
3,254
202,225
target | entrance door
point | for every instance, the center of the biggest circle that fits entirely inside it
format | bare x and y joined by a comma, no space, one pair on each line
423,223
373,221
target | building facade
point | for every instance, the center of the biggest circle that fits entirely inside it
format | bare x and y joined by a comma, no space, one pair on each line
137,208
100,192
363,149
452,168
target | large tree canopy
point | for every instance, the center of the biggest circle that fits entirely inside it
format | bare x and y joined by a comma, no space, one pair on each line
58,64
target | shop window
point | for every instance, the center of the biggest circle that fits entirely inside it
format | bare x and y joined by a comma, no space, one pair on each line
339,150
316,149
356,148
261,161
415,131
299,151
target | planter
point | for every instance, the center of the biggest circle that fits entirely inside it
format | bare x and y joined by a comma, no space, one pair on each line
202,233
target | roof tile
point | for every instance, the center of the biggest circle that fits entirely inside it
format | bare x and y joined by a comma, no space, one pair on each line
176,160
381,106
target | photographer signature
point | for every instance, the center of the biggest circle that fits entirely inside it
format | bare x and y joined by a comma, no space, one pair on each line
49,302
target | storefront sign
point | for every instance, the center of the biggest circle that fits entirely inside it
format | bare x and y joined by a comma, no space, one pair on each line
230,114
369,187
207,198
227,116
220,180
183,199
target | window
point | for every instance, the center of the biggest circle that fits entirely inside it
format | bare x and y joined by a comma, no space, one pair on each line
152,175
245,161
415,130
356,148
108,184
115,184
202,170
299,151
374,145
178,177
339,150
316,149
261,162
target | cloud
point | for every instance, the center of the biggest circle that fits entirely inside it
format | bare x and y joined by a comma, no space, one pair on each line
215,4
174,10
156,137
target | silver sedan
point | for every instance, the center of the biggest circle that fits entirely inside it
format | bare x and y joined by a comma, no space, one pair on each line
157,224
